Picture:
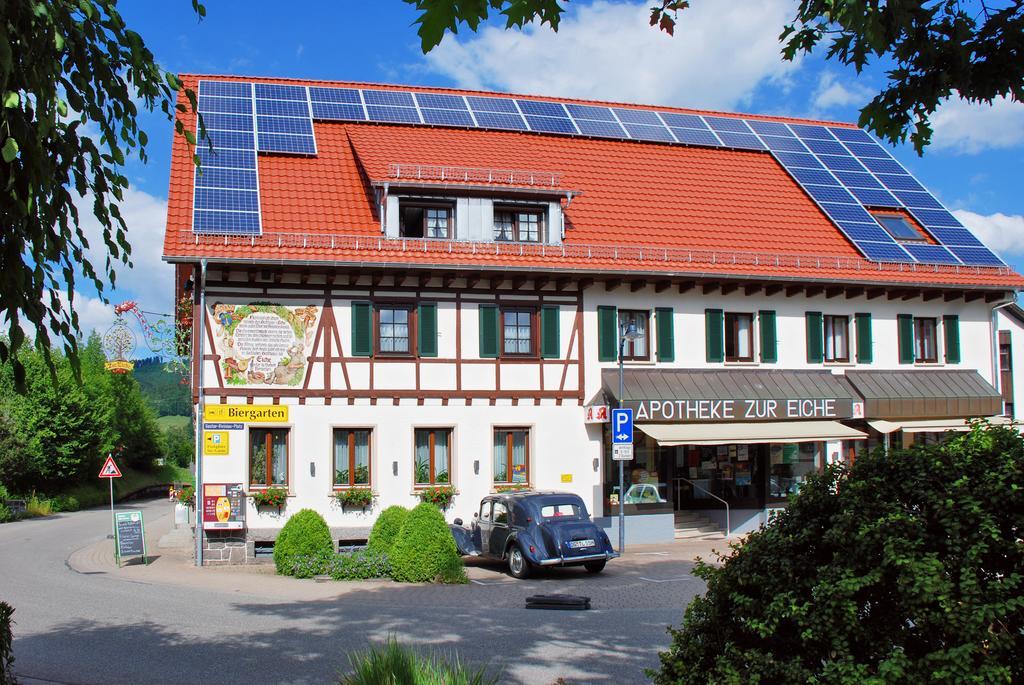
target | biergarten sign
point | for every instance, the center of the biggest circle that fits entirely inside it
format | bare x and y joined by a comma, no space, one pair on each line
246,413
715,410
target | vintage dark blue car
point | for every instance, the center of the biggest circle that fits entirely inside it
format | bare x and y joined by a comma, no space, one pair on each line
535,529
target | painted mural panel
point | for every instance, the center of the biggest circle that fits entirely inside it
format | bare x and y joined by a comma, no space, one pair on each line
264,343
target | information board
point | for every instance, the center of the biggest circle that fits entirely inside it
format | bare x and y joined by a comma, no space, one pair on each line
223,506
130,534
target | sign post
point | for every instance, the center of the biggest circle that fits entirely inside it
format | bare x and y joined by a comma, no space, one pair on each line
110,472
622,450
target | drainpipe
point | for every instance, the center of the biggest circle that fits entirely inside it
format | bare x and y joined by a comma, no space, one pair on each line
200,323
997,380
568,201
383,195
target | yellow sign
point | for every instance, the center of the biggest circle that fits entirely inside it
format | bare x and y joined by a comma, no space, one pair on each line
215,443
119,366
566,477
255,413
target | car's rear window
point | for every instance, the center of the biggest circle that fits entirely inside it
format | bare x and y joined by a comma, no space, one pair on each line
559,511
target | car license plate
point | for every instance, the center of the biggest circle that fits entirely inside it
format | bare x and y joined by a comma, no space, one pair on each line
578,544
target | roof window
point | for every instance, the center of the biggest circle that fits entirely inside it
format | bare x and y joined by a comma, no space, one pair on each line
899,227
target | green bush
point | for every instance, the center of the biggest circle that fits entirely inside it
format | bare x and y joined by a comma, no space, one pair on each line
424,548
305,533
65,503
397,665
6,645
453,572
907,568
38,506
364,565
385,530
5,513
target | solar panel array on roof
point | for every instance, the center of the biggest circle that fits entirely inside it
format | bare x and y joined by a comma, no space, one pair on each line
844,170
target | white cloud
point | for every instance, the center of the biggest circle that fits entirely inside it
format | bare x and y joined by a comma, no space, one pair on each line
833,93
971,128
606,50
1004,233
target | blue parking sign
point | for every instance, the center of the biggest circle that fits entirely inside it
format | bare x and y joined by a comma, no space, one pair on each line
622,426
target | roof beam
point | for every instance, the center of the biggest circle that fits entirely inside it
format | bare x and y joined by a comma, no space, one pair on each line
562,283
584,283
662,286
375,278
496,281
994,297
752,289
687,286
874,293
424,279
773,289
611,284
793,290
400,278
472,280
637,285
854,292
911,294
952,295
834,291
930,295
814,290
894,294
728,288
540,281
973,295
447,280
709,288
518,282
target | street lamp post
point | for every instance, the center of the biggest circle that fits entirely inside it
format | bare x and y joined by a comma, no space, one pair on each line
626,332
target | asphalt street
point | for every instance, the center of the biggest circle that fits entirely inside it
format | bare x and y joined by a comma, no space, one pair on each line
122,627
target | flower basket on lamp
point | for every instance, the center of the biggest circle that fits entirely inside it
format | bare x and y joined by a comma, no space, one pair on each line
270,497
441,495
354,497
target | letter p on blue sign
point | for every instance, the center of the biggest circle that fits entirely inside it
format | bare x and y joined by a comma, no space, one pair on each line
622,426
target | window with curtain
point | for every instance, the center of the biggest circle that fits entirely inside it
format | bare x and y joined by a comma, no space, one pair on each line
739,337
432,456
636,348
394,329
517,335
268,457
518,225
351,457
837,338
512,456
925,347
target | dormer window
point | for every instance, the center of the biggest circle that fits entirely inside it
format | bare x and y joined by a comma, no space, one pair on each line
518,225
425,220
899,227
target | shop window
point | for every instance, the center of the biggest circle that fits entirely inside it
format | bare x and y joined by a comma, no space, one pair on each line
739,337
925,348
790,465
518,225
638,348
425,220
432,457
268,457
837,338
511,455
394,329
351,457
517,332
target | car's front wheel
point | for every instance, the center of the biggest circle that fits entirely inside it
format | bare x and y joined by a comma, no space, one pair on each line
518,565
595,566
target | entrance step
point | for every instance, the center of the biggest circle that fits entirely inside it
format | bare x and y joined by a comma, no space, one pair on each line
692,526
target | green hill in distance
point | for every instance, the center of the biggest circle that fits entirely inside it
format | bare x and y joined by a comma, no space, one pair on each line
162,390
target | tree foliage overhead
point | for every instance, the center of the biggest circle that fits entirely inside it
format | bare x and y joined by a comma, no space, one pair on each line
932,50
908,568
73,78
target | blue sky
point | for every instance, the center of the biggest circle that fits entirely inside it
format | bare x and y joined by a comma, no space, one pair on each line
724,56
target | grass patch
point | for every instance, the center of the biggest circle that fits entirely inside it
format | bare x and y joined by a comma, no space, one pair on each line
167,422
399,665
95,494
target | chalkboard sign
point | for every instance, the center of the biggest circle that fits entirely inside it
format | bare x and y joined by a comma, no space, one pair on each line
131,535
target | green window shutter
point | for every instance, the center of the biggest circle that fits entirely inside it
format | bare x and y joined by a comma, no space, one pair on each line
815,338
714,330
769,337
362,329
951,328
549,343
488,331
865,343
905,328
607,334
666,334
426,329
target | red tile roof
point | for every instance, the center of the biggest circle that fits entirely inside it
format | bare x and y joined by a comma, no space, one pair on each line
643,207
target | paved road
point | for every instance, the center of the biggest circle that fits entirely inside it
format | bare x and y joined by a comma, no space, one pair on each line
122,627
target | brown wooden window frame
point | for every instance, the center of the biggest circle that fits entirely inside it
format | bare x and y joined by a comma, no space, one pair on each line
268,445
828,322
509,430
534,331
409,307
732,336
628,347
541,215
352,457
920,324
425,206
432,442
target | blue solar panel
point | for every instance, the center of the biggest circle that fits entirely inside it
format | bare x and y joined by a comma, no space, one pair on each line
977,256
857,179
237,140
694,136
808,132
591,113
637,116
655,133
783,144
228,122
770,128
825,147
899,182
293,125
225,89
861,231
214,177
542,109
609,129
883,252
287,143
337,112
882,166
677,120
727,124
845,212
270,91
392,98
830,194
232,159
398,115
287,108
850,135
875,197
930,254
954,236
922,200
551,124
479,104
746,141
447,117
840,163
339,96
797,159
225,223
225,105
439,101
935,217
501,120
233,200
868,150
818,176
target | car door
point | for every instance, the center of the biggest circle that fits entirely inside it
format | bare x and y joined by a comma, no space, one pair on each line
483,524
499,528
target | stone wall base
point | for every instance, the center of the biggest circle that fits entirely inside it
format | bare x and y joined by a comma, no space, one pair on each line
237,547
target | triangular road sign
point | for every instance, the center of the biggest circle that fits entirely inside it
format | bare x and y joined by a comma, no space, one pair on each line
110,469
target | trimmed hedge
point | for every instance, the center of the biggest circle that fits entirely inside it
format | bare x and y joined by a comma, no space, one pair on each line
425,548
6,645
385,530
306,533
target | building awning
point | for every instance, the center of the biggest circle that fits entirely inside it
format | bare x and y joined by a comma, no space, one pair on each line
672,434
925,394
931,425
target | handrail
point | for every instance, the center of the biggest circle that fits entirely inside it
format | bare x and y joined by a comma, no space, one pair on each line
728,526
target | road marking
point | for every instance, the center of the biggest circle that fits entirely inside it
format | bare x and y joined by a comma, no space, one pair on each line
664,580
